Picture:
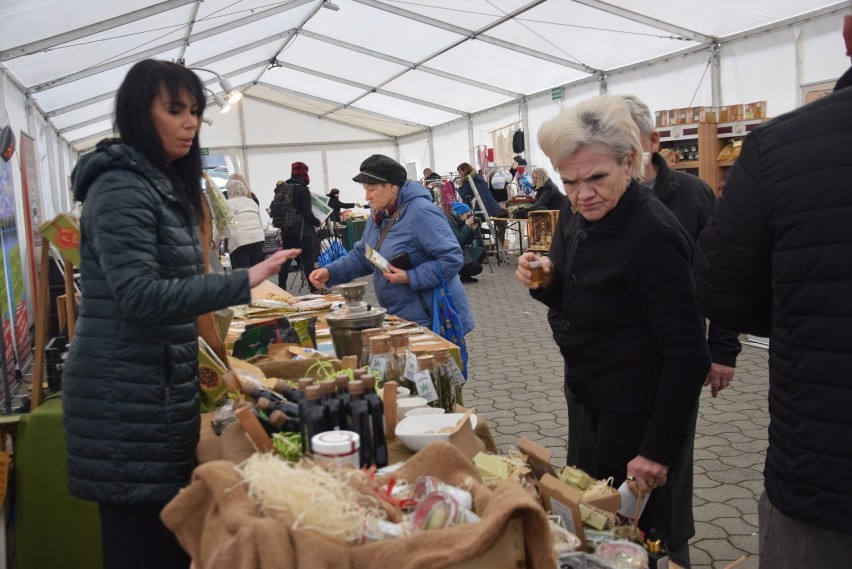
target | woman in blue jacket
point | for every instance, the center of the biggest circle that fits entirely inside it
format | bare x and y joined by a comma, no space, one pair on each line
415,227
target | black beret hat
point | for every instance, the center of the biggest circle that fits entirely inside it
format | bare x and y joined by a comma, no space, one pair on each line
379,169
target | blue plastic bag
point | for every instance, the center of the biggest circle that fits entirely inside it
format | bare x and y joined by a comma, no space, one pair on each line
331,253
446,321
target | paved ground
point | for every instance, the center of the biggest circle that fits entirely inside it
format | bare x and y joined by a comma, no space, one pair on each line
516,384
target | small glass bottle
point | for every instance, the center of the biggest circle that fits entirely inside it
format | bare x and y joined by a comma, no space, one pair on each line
336,414
341,383
382,363
445,367
315,420
443,385
399,343
359,415
287,389
366,334
377,420
303,383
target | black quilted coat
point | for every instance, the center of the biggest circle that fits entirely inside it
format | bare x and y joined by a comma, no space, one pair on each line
130,384
776,260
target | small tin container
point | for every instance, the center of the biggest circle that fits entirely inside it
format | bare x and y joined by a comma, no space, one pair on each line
338,447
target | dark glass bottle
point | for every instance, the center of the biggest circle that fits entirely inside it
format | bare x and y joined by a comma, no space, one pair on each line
341,381
287,407
377,420
286,389
315,420
359,415
283,421
336,412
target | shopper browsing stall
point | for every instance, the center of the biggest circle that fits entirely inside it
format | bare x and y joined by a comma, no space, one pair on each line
547,195
336,205
246,241
619,276
130,384
412,233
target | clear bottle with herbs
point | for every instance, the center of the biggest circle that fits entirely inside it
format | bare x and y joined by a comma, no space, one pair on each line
444,382
445,367
382,363
366,334
429,385
399,344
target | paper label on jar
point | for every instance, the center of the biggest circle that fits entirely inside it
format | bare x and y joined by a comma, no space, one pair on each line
410,365
425,387
379,367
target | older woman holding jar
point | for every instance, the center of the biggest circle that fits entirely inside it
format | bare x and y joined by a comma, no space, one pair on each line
632,336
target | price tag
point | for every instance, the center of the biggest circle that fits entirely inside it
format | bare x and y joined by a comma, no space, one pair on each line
410,365
456,373
425,387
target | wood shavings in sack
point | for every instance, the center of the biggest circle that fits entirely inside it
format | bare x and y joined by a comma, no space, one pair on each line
308,497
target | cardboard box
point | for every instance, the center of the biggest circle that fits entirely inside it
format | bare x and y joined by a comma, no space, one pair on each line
725,114
683,116
64,232
661,118
559,498
707,114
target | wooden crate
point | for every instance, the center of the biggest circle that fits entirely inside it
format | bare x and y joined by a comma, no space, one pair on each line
540,227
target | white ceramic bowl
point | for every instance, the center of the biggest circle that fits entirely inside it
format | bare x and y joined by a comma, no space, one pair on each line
403,406
425,411
417,431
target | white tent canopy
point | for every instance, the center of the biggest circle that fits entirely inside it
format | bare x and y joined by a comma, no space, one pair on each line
427,81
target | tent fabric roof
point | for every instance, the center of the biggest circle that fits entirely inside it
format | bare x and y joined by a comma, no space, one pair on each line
390,67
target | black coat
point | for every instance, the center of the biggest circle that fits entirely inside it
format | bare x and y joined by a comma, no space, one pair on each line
336,205
632,335
130,383
302,204
548,197
692,201
776,260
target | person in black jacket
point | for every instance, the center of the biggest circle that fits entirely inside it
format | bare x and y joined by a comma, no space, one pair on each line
303,234
775,262
336,205
547,195
130,383
619,276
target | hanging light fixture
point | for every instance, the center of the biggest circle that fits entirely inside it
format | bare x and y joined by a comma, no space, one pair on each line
224,106
273,64
231,94
330,5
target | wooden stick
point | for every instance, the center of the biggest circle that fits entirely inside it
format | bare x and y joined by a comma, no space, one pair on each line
638,509
42,323
389,403
736,562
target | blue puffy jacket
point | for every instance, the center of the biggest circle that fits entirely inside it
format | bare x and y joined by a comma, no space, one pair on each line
422,232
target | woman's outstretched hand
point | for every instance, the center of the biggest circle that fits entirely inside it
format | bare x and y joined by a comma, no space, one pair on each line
270,266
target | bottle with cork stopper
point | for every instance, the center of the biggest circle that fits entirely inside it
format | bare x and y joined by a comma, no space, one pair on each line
315,419
359,416
382,363
366,334
399,345
377,420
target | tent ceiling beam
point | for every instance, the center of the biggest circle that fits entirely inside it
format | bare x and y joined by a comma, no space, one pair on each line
409,64
80,104
187,36
648,21
97,135
479,34
90,29
838,7
86,123
323,114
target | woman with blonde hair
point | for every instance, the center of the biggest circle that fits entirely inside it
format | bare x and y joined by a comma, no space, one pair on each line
547,195
619,277
246,241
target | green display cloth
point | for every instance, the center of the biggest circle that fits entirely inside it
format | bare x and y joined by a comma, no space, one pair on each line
52,528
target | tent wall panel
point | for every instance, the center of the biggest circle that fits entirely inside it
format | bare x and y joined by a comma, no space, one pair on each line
451,146
823,53
415,149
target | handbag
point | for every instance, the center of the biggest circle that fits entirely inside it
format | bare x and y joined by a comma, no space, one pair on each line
446,321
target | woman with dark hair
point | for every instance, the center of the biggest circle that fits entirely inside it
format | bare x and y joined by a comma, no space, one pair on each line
470,176
130,385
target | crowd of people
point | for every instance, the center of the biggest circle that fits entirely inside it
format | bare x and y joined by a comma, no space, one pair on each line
628,307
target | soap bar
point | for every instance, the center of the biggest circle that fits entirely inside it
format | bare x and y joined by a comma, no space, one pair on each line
592,517
575,477
490,466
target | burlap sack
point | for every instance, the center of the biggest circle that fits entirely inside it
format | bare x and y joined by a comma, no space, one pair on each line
218,524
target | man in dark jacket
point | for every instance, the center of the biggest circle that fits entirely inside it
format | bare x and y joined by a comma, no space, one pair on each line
775,261
303,235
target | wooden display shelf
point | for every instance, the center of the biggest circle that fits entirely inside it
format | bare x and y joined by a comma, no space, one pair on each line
687,165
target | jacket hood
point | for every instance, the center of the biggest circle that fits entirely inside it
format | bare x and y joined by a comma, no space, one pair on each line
296,180
111,154
411,191
662,188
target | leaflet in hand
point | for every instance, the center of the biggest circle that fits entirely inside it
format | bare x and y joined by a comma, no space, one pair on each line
373,256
